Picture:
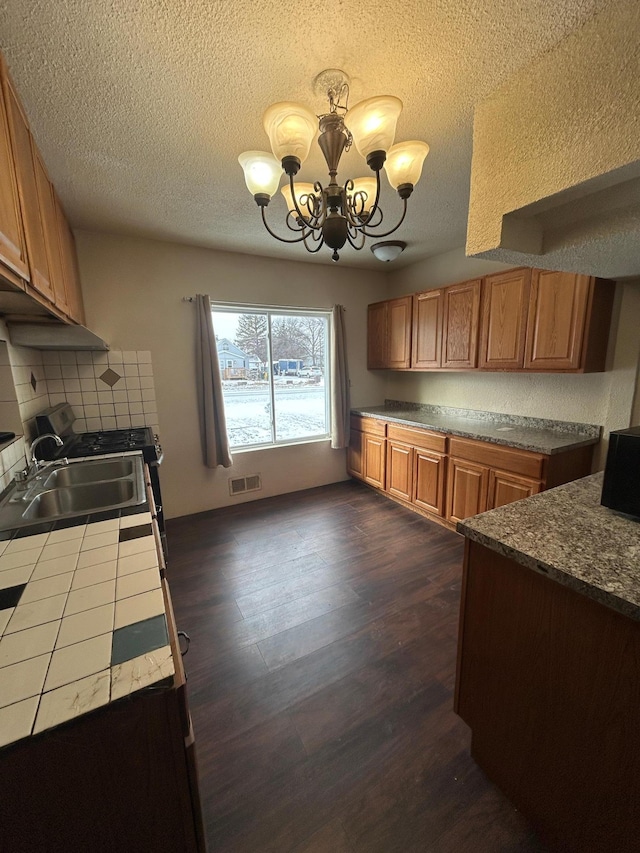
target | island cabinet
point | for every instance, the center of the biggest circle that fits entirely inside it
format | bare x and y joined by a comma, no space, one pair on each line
547,680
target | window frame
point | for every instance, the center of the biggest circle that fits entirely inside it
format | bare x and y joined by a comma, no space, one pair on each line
283,311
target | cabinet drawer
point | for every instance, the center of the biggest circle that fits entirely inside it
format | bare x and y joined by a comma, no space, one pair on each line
494,456
418,437
373,426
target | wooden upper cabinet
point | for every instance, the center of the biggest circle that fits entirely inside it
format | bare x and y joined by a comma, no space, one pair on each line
377,335
426,346
70,266
28,190
399,332
557,317
460,325
13,248
569,318
47,203
505,303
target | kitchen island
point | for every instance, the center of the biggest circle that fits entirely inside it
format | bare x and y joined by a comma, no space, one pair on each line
548,673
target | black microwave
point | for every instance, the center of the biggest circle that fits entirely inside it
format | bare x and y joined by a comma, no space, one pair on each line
621,486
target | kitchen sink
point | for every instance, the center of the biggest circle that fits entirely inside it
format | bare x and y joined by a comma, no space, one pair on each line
76,500
76,489
90,472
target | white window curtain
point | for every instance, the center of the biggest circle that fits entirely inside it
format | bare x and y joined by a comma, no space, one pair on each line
340,398
213,425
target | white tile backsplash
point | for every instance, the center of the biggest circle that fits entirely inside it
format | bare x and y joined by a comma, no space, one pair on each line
75,377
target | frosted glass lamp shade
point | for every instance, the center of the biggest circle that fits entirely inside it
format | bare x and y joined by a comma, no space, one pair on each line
262,172
372,123
302,190
366,186
404,162
290,128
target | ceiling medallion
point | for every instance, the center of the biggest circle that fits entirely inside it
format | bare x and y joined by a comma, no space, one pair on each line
335,214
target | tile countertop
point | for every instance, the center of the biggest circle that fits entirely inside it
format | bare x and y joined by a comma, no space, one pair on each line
534,434
566,534
82,619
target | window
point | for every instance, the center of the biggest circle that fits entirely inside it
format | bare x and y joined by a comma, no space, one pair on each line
278,390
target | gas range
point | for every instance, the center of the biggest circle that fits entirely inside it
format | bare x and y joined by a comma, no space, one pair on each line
59,420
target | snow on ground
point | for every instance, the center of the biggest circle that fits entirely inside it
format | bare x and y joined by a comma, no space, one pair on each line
300,412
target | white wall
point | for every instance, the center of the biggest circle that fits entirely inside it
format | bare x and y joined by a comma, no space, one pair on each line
600,398
133,290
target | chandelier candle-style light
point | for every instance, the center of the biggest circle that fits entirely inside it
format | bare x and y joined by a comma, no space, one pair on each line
335,214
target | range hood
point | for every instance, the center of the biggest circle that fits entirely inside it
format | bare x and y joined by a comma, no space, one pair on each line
54,336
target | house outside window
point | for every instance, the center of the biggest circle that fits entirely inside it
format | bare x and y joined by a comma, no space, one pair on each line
275,377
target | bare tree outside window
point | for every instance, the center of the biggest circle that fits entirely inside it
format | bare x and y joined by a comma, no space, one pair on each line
277,390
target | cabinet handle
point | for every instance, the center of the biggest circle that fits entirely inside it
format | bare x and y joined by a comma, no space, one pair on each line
184,646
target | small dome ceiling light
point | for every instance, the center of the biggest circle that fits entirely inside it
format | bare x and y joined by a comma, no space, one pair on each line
338,213
388,250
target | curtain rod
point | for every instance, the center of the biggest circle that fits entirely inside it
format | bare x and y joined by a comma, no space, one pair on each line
255,305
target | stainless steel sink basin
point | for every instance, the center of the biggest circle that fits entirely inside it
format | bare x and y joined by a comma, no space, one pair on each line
76,500
90,472
76,489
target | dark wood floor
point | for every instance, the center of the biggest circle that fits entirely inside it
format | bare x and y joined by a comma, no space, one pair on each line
321,673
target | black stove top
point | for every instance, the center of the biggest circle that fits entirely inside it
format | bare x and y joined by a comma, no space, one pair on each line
59,420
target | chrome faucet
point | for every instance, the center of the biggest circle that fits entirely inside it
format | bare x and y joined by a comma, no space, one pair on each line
36,465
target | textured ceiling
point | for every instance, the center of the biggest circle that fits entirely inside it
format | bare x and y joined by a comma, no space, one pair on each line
141,109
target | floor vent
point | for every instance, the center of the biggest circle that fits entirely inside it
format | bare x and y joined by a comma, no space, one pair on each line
239,485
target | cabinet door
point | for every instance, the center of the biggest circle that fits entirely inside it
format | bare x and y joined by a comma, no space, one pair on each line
13,249
377,354
466,489
374,460
51,232
70,267
460,332
399,332
355,458
427,329
505,302
30,205
505,488
399,470
557,314
429,479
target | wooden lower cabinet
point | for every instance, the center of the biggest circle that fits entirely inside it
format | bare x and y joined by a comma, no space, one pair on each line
429,481
467,485
449,478
374,451
506,488
400,470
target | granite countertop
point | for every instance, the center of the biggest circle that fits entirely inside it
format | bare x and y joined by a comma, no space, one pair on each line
534,434
566,534
82,618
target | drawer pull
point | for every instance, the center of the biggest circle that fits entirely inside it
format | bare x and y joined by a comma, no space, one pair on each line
184,642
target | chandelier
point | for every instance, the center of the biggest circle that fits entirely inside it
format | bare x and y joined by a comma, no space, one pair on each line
337,213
